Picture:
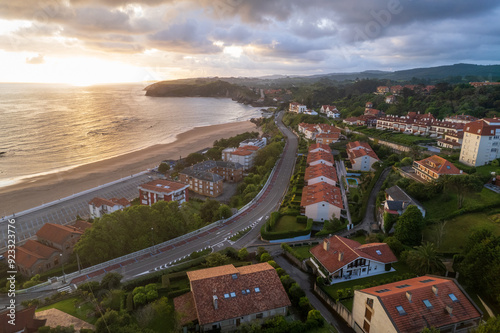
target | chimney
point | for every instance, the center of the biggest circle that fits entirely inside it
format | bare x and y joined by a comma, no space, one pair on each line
341,256
326,244
449,309
215,302
408,295
461,171
435,290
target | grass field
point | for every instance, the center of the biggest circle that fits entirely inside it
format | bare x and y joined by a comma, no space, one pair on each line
303,251
288,223
458,229
68,306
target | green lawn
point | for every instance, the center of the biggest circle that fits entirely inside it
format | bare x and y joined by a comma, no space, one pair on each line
68,306
487,170
288,223
458,229
303,251
352,181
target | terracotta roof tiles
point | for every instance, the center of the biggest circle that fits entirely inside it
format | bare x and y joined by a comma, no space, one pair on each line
57,233
321,192
319,155
439,165
319,170
163,186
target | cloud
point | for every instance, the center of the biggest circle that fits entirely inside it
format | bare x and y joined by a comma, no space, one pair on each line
36,60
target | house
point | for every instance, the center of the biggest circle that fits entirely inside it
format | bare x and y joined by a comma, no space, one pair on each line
431,168
62,237
310,131
373,112
229,171
321,173
100,206
310,112
351,121
202,182
297,107
416,123
411,305
461,118
368,105
330,111
381,90
35,258
315,147
484,83
344,258
258,142
361,155
163,190
390,99
481,142
25,321
327,138
397,200
366,120
320,157
321,201
243,155
222,298
451,140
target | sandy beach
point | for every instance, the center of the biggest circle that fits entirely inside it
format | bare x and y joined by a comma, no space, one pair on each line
37,191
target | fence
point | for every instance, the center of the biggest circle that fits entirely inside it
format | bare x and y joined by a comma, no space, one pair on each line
338,307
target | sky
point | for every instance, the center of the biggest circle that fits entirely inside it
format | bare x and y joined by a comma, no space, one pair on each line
100,41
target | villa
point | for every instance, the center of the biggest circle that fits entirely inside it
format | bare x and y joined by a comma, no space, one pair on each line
431,168
361,155
321,201
100,206
163,190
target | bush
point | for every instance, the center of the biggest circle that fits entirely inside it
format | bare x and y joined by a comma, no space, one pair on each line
302,219
179,292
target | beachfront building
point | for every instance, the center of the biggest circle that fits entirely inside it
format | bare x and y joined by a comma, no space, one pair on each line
414,304
431,168
361,156
297,107
163,190
222,298
481,142
202,182
100,206
62,237
321,201
344,258
243,155
258,142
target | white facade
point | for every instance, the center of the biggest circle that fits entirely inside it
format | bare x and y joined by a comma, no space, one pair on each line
321,179
363,163
479,149
363,315
322,211
321,162
333,114
231,324
261,143
227,153
97,212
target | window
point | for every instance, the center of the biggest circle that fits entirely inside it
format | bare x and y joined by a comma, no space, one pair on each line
400,310
426,281
427,303
381,291
368,314
453,297
369,302
243,292
403,286
259,315
226,295
234,276
248,291
257,290
233,294
366,327
378,252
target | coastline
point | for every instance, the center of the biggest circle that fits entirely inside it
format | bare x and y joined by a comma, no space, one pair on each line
38,190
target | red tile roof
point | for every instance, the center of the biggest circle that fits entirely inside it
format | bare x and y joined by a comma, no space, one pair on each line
245,150
417,315
99,202
320,146
481,127
163,186
439,165
358,149
32,251
319,155
328,136
82,225
184,306
57,233
321,192
351,250
25,321
318,170
219,281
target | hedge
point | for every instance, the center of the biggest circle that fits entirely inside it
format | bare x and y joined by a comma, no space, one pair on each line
302,219
176,293
270,235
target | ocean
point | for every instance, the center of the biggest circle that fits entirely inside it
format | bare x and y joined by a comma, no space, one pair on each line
46,128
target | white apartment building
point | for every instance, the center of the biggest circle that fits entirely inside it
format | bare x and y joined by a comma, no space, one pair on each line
481,142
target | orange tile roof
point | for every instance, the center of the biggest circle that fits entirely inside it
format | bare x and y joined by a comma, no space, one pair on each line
184,306
219,281
439,165
417,315
318,170
99,202
321,192
351,250
357,149
82,225
57,233
32,251
319,155
163,186
328,135
321,146
481,127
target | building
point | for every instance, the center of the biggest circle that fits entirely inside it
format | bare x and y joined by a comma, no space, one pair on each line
418,124
344,258
243,155
258,142
411,305
35,258
481,142
484,83
321,173
327,138
62,237
373,112
366,120
361,155
461,118
222,298
397,201
25,321
381,90
310,112
390,99
451,140
297,107
320,157
330,111
321,201
163,190
431,168
310,131
315,147
100,206
202,182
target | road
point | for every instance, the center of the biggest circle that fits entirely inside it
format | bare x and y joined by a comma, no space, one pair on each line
342,174
66,210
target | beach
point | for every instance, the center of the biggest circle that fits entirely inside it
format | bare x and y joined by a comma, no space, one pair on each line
46,188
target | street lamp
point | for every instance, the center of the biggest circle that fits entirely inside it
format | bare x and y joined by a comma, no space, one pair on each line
62,262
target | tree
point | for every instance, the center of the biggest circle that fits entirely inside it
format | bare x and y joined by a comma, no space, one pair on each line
395,245
424,260
431,329
208,210
389,221
491,326
140,299
243,253
194,158
462,186
315,317
409,227
406,161
216,259
265,257
111,281
163,168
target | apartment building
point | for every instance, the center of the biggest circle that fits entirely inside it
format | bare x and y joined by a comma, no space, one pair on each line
481,142
163,190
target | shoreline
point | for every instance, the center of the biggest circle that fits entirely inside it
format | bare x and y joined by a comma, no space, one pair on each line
45,188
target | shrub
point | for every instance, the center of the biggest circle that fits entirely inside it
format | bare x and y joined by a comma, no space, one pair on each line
302,219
